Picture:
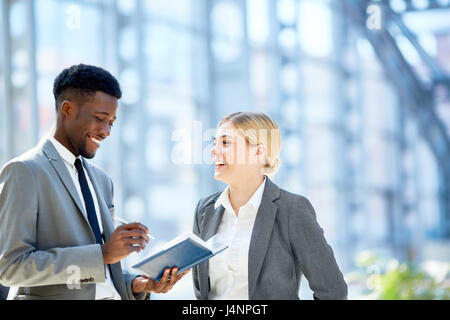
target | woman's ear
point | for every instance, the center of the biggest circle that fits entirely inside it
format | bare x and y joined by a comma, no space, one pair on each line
260,150
261,154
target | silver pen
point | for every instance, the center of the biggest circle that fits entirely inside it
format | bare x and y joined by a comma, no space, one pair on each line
124,222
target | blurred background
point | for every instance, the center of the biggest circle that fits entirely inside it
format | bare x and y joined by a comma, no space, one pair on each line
359,88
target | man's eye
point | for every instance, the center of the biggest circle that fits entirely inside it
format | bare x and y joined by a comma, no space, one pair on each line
103,120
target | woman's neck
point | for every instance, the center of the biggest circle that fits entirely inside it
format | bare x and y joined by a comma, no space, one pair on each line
240,193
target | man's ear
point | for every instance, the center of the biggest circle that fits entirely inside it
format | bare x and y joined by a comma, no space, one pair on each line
68,109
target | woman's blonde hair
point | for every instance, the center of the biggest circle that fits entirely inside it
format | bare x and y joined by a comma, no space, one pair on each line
258,128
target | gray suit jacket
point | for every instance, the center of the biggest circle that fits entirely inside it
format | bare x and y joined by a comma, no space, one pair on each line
286,242
46,242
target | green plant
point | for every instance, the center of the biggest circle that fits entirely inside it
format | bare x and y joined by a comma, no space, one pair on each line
386,279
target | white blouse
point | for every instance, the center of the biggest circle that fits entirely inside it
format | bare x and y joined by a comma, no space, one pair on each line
228,271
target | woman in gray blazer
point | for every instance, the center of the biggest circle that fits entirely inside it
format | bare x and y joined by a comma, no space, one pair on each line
273,235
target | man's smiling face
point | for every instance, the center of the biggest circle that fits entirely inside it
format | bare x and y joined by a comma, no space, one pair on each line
89,123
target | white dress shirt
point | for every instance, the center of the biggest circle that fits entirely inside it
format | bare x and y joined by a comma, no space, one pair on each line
228,271
105,290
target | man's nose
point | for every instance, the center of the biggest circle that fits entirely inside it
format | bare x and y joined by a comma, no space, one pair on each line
105,130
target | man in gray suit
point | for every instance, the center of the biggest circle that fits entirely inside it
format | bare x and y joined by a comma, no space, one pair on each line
57,238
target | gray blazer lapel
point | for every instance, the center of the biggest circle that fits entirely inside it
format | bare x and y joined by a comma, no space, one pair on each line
213,217
58,164
209,227
262,230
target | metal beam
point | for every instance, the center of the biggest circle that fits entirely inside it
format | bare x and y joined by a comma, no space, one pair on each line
418,98
432,5
437,74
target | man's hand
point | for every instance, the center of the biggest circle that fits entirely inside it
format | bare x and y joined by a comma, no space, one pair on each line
145,284
123,242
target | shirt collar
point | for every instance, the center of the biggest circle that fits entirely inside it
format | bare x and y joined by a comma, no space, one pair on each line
223,199
64,153
255,200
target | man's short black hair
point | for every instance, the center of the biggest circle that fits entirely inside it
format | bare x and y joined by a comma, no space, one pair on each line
80,81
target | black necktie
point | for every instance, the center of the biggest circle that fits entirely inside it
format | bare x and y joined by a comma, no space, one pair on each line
88,201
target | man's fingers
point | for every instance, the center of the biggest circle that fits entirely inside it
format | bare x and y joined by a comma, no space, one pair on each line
165,276
134,225
168,283
169,279
173,277
135,233
131,241
132,248
163,282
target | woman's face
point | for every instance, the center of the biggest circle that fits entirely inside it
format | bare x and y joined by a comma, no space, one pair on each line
234,158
